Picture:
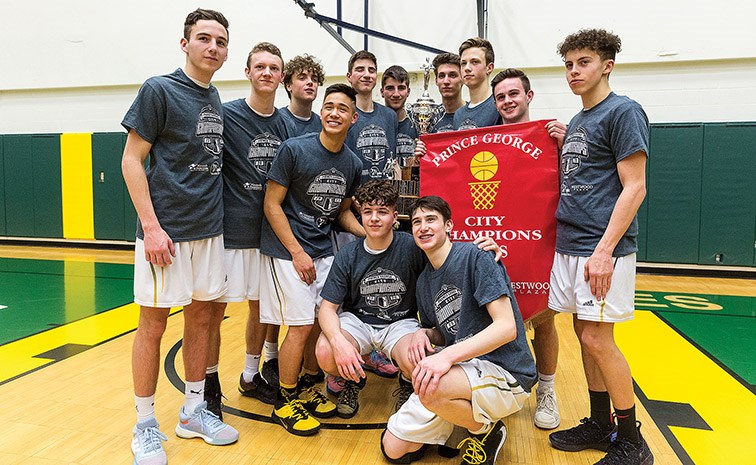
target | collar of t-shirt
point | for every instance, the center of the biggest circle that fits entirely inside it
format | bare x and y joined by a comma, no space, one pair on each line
204,85
300,118
262,115
471,105
372,251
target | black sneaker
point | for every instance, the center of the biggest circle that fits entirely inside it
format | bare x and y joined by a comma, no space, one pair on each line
482,449
306,380
349,399
258,389
270,372
587,435
402,393
626,452
214,395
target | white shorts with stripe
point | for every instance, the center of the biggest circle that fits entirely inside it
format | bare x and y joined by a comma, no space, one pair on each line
370,337
495,394
571,293
243,268
197,272
284,298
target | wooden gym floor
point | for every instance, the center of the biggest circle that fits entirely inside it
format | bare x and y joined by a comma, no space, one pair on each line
65,377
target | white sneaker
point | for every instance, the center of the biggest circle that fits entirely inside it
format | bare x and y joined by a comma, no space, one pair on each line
547,412
147,444
202,423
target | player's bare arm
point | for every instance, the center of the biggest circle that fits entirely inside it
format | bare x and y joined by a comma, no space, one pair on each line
599,268
158,247
274,197
429,371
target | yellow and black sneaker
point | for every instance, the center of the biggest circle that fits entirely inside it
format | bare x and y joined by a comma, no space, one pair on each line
316,402
292,415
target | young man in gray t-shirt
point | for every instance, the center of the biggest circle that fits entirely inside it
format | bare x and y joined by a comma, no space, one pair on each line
485,371
603,163
176,120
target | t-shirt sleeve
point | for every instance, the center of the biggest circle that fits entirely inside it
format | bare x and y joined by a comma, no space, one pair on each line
489,279
282,166
147,114
629,132
337,283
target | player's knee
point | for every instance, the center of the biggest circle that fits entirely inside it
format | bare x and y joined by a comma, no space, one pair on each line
432,401
323,351
594,341
396,450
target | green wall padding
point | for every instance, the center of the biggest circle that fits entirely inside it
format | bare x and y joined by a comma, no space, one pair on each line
48,197
728,194
674,187
108,187
2,188
19,185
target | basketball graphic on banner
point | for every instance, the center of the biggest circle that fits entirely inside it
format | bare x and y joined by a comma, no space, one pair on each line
484,166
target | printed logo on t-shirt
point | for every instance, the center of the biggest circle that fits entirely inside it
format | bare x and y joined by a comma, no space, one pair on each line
326,192
382,289
447,304
467,123
210,129
261,151
444,128
574,150
405,149
372,143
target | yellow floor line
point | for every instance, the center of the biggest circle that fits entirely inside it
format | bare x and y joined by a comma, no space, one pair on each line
652,347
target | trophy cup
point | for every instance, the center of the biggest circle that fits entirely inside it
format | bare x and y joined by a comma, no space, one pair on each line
423,114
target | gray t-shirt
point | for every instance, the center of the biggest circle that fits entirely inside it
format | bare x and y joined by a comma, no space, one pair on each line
597,139
445,124
184,124
251,143
405,141
453,300
373,138
302,127
378,288
481,115
317,181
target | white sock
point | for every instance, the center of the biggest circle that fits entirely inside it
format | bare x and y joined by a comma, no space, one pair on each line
211,370
546,381
271,350
194,395
251,367
483,430
145,407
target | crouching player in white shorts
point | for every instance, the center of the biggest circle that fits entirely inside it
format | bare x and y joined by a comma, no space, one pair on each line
484,373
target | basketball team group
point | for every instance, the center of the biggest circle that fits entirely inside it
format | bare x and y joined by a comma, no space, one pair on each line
294,211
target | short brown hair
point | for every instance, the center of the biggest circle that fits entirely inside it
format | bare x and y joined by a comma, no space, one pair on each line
511,73
477,42
397,73
445,59
361,55
200,14
265,47
432,203
378,192
301,64
345,89
604,43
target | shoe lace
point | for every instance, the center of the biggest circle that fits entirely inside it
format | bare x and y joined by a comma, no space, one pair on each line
315,395
547,401
150,440
618,452
211,421
348,395
298,411
475,453
402,393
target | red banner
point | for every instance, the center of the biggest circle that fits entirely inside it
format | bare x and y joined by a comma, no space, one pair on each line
502,182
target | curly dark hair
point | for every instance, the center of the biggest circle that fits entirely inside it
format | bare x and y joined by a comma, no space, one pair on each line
377,192
604,43
301,64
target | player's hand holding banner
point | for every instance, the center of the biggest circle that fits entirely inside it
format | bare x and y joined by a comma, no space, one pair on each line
501,181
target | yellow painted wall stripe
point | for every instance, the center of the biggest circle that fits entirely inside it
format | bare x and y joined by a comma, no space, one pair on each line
688,376
76,181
